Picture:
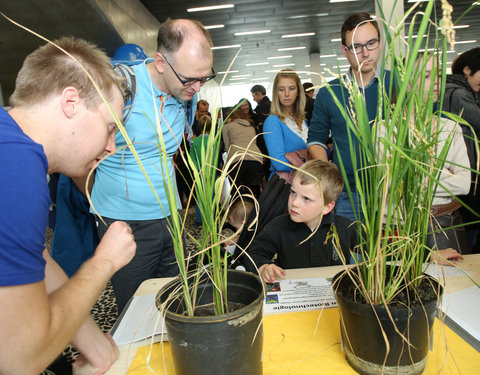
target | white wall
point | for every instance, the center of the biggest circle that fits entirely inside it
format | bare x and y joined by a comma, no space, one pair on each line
232,93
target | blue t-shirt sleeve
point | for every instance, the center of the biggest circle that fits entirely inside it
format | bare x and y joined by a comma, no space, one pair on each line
319,129
274,140
24,198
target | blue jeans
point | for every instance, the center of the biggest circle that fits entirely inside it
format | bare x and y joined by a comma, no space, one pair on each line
344,207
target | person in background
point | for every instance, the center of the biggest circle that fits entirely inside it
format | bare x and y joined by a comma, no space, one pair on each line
182,173
202,110
258,125
239,135
304,237
247,111
167,87
199,143
58,123
361,46
454,179
308,89
462,97
262,110
285,129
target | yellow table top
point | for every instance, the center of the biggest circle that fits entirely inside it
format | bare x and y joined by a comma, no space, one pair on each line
291,346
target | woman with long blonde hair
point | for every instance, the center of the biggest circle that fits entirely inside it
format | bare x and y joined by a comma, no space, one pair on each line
285,129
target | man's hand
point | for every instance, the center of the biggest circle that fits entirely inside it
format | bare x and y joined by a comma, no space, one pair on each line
445,257
271,273
117,246
99,364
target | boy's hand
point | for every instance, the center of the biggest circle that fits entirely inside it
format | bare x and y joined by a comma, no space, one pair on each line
271,273
445,256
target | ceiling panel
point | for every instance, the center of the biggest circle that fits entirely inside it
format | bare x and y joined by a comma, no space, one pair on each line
274,15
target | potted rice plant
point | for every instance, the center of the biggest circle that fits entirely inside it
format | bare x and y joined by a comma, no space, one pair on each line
213,314
387,304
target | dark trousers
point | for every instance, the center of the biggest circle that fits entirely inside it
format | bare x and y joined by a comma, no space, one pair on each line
154,257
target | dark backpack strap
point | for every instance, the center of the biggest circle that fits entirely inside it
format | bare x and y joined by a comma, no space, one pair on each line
127,72
450,98
467,135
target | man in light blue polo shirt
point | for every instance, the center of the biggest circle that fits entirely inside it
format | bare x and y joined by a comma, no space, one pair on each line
361,45
164,87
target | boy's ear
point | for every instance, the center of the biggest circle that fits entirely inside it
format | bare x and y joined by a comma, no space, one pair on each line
328,208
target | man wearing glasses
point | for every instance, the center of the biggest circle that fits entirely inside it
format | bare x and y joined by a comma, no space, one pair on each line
361,46
166,88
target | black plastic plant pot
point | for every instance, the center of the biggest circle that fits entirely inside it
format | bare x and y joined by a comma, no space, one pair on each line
231,343
363,327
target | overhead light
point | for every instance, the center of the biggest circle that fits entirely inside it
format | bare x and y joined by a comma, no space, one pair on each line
307,66
260,79
209,27
258,63
307,15
465,41
290,48
213,7
327,56
252,32
241,76
323,64
342,58
344,66
272,71
455,27
229,72
237,79
297,35
334,40
282,65
228,46
416,36
279,57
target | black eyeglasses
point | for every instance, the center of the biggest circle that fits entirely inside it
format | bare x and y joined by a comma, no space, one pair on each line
358,48
191,81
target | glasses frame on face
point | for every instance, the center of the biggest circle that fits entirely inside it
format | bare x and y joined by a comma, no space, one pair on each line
191,81
357,49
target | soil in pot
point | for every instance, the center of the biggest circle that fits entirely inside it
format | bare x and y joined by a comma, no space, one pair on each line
209,344
363,327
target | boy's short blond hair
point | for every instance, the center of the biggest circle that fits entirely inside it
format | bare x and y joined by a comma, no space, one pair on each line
205,124
325,175
239,213
48,70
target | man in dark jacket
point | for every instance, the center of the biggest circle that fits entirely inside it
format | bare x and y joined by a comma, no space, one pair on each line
309,103
262,110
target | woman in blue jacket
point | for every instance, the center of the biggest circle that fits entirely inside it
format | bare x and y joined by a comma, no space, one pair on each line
285,130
